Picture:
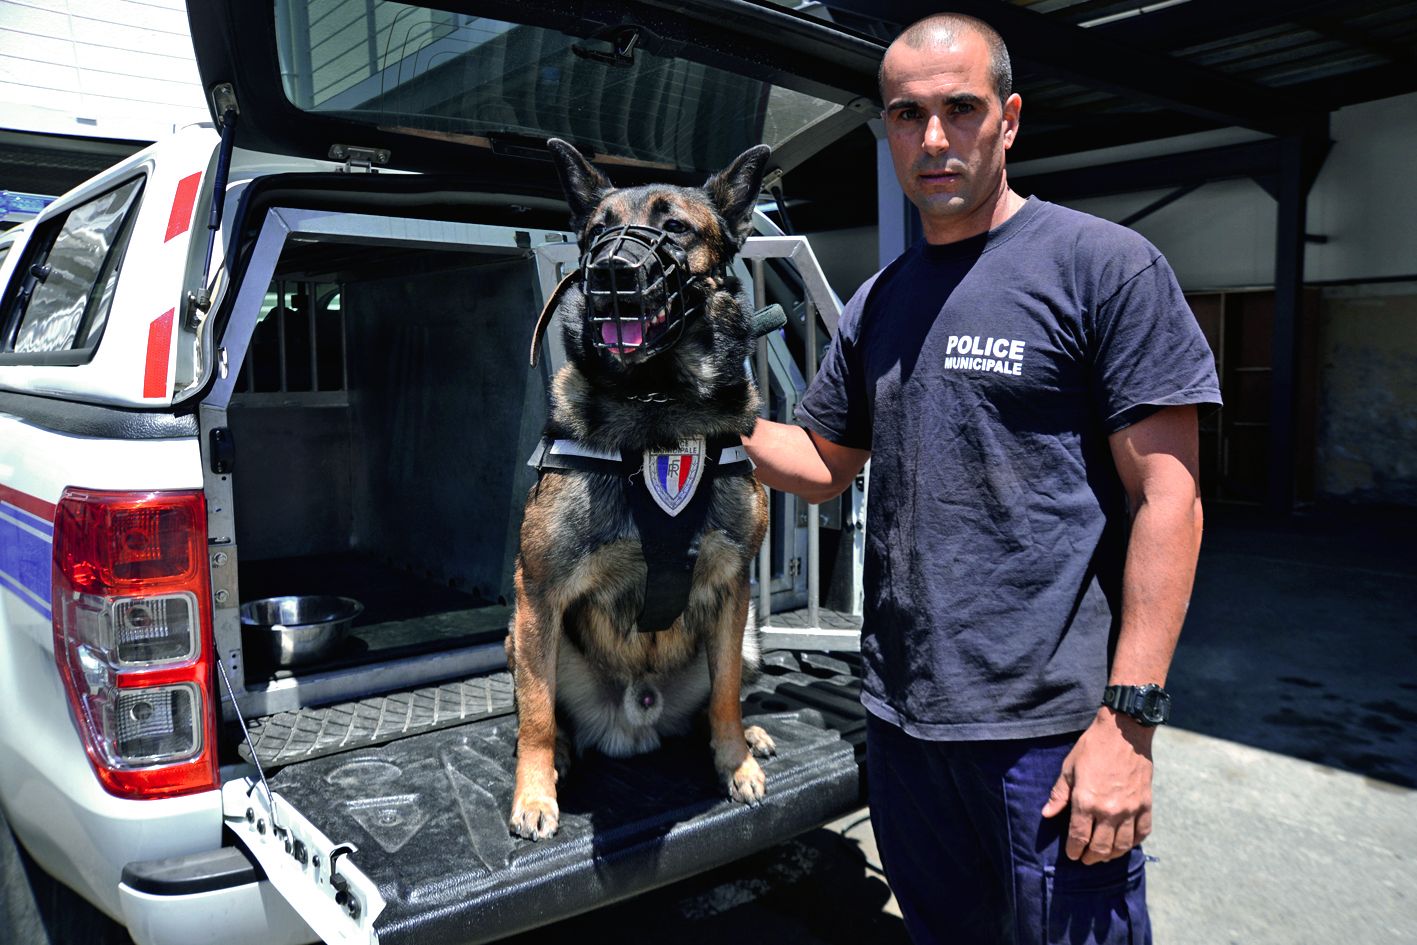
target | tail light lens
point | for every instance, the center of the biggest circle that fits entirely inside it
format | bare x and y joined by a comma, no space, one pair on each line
132,637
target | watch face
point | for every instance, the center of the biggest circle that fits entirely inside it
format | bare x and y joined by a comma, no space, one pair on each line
1155,705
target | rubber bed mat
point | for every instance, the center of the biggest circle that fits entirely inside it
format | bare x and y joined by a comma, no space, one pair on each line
428,813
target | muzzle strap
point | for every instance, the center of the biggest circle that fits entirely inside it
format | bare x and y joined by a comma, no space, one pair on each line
548,311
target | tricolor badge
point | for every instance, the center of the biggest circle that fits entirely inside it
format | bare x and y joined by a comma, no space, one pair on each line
673,476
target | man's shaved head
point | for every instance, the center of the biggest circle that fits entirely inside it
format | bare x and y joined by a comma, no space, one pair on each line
940,29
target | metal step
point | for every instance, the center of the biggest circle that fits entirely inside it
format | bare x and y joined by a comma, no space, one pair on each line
302,734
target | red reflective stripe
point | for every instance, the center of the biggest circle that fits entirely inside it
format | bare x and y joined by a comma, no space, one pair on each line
31,504
159,341
181,216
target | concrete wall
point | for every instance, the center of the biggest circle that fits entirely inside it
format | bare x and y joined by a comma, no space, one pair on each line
1367,437
1222,235
99,68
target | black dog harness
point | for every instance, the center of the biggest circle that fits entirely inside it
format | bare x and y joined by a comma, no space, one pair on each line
669,494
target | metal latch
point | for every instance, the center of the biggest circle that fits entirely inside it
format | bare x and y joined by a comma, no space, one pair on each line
316,876
359,160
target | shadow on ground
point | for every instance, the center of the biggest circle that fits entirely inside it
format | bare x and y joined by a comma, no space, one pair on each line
818,889
1302,638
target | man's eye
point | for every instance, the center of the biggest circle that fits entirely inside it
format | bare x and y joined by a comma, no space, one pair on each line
675,226
909,114
963,108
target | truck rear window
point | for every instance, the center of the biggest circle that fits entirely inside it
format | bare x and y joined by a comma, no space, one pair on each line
453,76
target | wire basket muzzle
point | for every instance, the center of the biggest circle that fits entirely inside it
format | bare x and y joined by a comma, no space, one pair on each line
637,289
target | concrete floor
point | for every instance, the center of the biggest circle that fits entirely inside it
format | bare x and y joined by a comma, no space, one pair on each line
1286,790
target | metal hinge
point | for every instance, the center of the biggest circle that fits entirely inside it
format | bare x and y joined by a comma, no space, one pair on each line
224,99
336,899
359,160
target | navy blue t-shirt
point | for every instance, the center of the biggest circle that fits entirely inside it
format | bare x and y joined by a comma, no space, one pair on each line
985,377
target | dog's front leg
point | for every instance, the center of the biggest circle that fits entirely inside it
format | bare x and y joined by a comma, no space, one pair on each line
733,759
535,813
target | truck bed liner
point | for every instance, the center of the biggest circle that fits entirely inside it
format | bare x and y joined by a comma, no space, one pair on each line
429,812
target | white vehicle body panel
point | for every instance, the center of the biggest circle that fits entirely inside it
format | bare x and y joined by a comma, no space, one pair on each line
255,914
52,799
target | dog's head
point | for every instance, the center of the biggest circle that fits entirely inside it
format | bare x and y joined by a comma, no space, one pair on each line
655,286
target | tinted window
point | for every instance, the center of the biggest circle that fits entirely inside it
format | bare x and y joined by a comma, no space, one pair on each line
65,298
479,80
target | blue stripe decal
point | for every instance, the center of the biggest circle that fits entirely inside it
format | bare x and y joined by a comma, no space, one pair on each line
26,554
28,518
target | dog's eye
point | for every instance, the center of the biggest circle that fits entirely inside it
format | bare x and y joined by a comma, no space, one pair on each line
595,231
675,226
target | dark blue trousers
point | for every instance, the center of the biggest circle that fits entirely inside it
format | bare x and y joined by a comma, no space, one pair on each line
970,858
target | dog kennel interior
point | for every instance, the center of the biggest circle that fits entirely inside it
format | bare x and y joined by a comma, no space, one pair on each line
381,418
381,422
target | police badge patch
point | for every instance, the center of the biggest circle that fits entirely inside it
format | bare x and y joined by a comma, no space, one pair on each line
673,476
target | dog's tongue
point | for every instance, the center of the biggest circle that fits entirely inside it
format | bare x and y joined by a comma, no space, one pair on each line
629,335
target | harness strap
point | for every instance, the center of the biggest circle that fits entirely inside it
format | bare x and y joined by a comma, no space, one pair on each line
727,456
669,543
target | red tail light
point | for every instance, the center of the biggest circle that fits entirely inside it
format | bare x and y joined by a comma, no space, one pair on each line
133,637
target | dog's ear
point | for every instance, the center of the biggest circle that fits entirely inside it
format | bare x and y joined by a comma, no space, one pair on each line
734,190
583,183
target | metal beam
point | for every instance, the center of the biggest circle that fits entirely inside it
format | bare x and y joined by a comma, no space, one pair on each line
1090,58
1055,132
1201,21
1252,159
1334,92
1299,161
1160,203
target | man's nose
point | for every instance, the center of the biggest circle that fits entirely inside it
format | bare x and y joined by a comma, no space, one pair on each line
935,140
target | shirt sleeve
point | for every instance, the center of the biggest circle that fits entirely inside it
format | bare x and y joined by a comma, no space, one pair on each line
1148,350
836,406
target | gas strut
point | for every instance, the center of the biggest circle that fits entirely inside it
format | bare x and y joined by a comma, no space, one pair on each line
202,300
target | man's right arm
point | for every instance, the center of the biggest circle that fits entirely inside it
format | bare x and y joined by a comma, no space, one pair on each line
793,459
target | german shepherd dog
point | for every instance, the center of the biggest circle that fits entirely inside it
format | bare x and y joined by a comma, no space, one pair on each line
648,367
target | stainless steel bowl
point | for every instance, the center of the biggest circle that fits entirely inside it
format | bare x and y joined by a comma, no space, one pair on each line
296,631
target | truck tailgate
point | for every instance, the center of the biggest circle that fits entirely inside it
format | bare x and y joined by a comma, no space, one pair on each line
428,812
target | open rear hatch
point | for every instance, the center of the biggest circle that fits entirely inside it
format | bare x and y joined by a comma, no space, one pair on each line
653,90
384,819
407,841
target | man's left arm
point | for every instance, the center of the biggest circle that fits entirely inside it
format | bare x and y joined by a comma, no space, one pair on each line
1107,777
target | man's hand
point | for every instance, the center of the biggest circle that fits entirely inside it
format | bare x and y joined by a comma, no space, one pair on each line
1106,779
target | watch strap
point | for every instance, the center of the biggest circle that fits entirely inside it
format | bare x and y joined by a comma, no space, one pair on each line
1135,701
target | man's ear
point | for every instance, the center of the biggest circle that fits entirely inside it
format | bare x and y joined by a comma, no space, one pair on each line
734,190
583,183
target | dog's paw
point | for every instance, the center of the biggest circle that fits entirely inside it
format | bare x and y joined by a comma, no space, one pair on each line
534,818
747,784
759,742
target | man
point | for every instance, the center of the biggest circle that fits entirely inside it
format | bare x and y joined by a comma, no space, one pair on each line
1025,383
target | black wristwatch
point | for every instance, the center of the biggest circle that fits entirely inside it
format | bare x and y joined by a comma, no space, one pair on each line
1149,704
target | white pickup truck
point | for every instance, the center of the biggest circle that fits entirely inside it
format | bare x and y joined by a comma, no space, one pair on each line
285,355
